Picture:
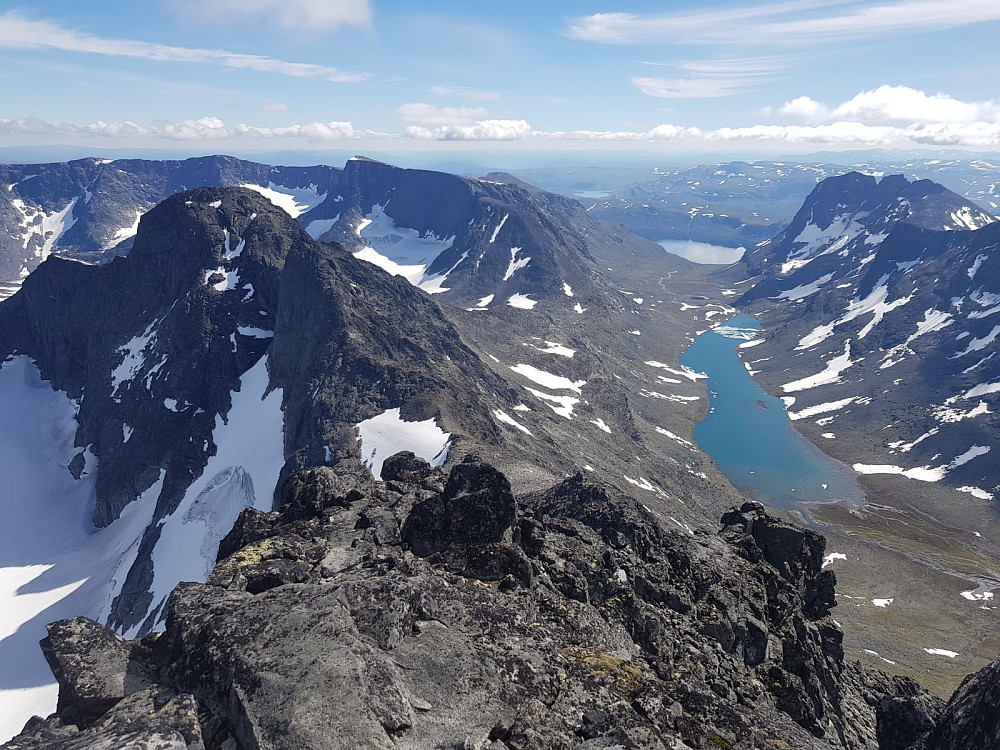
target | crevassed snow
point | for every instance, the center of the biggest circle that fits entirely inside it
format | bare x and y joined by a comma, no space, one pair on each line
507,419
524,302
294,201
515,263
561,405
830,374
53,563
804,290
547,379
242,473
318,227
387,434
812,411
402,251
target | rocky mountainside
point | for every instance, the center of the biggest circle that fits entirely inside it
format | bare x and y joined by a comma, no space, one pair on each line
877,304
177,384
227,319
90,208
436,609
448,234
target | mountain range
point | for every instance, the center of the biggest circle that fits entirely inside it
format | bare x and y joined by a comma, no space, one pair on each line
269,342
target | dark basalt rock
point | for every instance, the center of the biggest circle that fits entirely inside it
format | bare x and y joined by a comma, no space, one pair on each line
93,666
971,718
565,619
476,507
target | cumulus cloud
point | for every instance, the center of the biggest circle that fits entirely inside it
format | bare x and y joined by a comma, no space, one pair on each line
204,128
904,104
18,32
789,23
895,105
305,15
483,130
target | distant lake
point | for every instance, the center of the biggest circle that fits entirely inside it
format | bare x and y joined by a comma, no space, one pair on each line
749,435
702,252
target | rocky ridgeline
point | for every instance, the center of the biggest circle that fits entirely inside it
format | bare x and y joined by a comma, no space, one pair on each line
435,609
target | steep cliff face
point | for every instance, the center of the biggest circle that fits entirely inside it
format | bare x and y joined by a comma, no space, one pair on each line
436,609
228,321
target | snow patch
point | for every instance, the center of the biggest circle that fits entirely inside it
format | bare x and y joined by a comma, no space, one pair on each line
385,435
293,201
547,379
507,419
522,301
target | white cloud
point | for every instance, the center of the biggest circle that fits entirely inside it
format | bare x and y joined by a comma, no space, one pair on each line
421,113
305,15
18,32
205,128
464,92
710,79
796,22
688,88
804,108
904,104
895,105
483,130
276,107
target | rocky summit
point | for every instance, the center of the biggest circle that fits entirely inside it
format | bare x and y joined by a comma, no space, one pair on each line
437,610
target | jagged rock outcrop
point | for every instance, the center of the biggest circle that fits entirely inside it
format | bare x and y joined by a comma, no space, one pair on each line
435,609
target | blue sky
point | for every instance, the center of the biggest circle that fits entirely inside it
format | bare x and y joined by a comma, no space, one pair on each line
217,75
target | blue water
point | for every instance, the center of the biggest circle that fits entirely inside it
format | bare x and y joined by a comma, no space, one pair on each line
749,435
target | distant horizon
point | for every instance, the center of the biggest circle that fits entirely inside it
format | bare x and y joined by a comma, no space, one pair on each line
360,75
487,157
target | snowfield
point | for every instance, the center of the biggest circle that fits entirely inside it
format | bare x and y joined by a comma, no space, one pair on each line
385,435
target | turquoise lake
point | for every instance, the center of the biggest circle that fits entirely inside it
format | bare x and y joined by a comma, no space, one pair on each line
748,434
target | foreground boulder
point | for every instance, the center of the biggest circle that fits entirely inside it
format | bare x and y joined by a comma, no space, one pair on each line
436,610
